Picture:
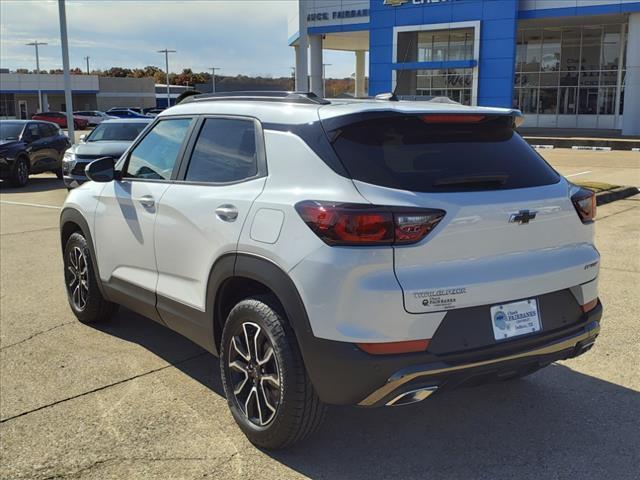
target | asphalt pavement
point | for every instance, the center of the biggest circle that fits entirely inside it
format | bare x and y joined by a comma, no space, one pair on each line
131,399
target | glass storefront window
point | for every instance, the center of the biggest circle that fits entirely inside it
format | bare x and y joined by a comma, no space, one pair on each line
7,105
435,45
570,52
611,47
532,42
520,53
570,70
461,44
548,100
530,79
551,50
606,101
455,83
569,78
591,78
591,42
568,100
549,79
588,101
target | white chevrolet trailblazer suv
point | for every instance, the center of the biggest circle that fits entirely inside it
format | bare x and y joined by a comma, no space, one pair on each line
351,252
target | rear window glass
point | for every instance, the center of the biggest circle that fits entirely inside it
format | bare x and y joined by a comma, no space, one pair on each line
116,132
409,153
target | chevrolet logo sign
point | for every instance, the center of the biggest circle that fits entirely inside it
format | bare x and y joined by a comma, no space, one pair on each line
395,3
522,217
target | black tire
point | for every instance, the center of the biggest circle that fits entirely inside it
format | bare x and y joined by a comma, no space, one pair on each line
298,410
20,173
88,305
58,173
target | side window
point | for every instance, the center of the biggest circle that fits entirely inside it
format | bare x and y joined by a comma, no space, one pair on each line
224,152
44,130
155,156
33,131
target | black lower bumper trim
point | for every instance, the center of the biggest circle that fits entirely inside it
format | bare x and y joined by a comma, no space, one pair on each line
342,374
443,374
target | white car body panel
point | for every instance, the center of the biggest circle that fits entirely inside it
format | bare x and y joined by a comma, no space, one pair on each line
190,237
295,173
476,256
124,232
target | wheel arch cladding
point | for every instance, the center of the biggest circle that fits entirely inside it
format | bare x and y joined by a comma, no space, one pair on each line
72,221
250,275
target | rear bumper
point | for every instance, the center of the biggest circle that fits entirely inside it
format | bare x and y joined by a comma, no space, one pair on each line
343,374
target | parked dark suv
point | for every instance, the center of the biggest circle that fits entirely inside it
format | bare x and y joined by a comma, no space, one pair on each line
28,147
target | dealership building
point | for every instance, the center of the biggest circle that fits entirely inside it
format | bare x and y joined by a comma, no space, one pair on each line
565,63
19,93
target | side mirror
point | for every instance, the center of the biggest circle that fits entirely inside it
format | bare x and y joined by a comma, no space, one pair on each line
82,137
101,170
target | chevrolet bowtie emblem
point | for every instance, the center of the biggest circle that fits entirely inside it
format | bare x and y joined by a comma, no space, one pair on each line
395,3
522,217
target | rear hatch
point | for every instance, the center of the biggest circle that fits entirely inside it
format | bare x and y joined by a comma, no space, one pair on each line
510,230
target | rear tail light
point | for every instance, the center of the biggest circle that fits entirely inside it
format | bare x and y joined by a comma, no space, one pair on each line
587,307
391,348
361,224
584,202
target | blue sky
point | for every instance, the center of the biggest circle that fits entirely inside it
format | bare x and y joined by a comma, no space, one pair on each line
241,36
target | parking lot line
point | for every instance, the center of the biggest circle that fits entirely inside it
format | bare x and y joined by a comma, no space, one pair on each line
579,173
39,205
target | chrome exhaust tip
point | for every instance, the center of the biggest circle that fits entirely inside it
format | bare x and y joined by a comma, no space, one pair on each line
412,396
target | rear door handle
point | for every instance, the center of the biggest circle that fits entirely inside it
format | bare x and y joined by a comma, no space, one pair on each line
147,201
228,213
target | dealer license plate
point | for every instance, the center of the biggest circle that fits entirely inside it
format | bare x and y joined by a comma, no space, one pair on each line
515,319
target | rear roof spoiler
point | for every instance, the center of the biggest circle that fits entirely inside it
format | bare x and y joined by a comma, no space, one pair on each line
335,122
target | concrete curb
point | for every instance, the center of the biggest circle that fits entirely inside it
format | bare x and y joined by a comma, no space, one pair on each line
619,193
601,144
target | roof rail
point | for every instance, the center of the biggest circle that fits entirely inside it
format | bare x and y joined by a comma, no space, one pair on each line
265,96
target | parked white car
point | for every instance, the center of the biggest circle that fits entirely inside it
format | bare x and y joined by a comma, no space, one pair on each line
349,252
94,117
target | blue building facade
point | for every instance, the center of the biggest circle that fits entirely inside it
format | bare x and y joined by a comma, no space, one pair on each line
564,63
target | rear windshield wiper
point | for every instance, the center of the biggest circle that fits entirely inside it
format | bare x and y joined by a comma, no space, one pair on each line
472,181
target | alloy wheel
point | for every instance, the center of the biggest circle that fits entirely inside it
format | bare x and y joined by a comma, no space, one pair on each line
254,374
22,172
78,278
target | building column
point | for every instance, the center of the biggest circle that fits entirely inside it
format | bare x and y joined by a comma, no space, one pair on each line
45,102
631,115
302,79
359,88
315,64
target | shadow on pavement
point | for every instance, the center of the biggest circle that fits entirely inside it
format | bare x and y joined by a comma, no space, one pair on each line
557,423
37,183
168,345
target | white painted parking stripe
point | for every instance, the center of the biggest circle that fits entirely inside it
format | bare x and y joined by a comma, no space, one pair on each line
576,174
543,147
593,149
39,205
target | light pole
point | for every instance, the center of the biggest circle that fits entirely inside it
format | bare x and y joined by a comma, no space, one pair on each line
35,43
166,60
324,86
213,78
87,60
65,67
